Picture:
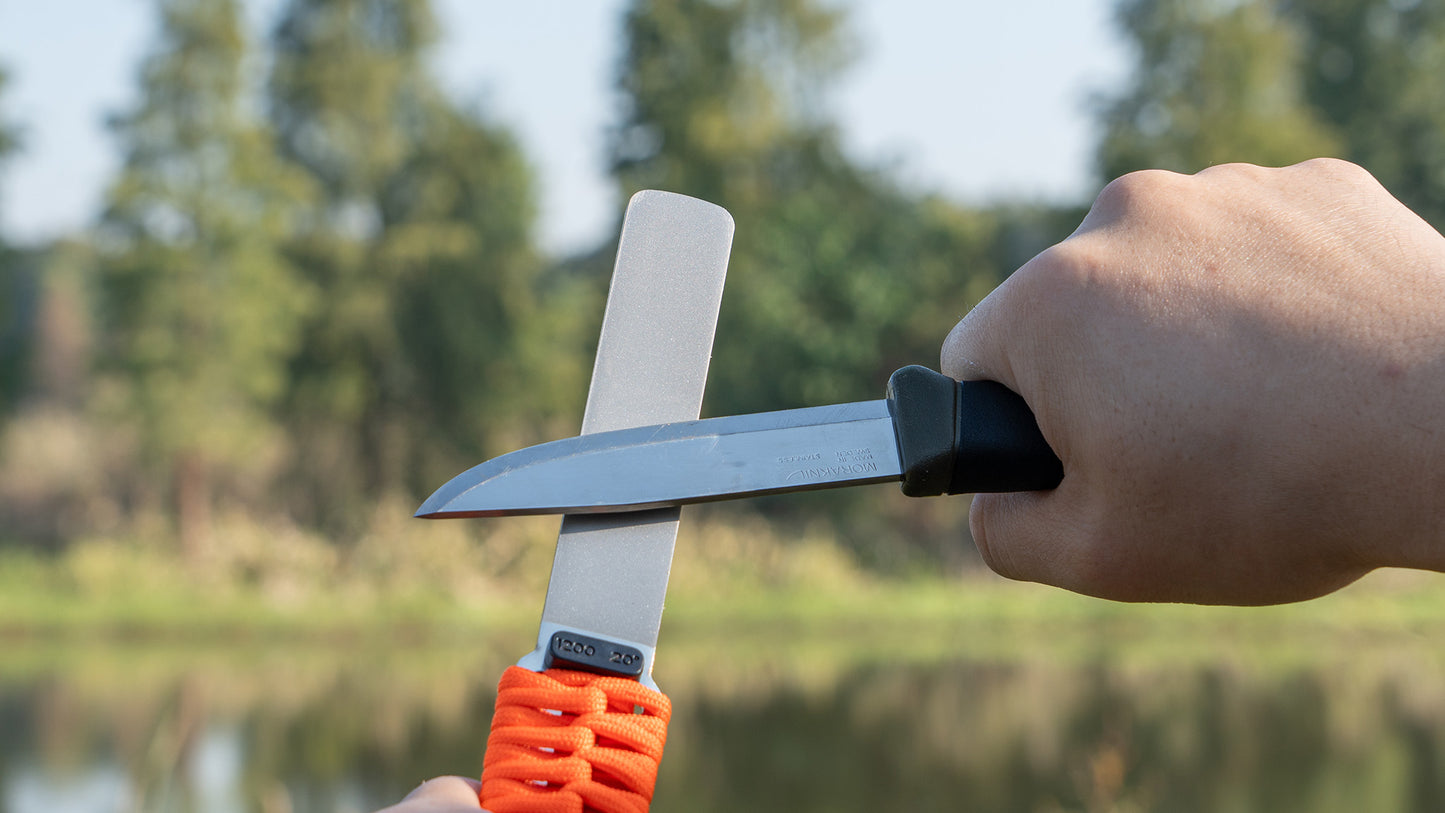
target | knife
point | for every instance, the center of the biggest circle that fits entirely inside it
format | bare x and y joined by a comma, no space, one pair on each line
931,433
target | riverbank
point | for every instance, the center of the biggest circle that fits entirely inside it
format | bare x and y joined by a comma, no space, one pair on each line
307,678
142,601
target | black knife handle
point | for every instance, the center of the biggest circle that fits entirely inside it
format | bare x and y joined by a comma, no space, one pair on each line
966,437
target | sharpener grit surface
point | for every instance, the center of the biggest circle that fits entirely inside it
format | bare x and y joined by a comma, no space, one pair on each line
610,572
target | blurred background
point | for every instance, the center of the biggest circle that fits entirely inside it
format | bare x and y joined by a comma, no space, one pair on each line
272,271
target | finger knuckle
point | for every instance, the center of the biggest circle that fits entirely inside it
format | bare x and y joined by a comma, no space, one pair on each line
1337,169
1142,190
1062,274
1235,171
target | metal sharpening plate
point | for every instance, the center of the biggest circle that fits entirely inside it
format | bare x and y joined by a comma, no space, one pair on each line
610,573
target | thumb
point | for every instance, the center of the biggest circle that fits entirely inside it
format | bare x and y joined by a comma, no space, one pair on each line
1030,536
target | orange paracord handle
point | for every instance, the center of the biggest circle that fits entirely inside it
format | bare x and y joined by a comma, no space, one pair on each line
564,741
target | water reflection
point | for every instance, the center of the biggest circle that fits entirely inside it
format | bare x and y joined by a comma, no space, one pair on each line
277,731
964,736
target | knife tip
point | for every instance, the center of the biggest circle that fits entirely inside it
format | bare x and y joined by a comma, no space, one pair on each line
431,509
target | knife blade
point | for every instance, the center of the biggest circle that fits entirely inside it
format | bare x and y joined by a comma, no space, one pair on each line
931,434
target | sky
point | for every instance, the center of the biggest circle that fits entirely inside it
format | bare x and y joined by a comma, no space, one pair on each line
973,100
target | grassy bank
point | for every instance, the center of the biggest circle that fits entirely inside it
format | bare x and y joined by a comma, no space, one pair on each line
733,581
141,596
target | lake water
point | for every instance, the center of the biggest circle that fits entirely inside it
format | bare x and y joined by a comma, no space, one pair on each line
794,723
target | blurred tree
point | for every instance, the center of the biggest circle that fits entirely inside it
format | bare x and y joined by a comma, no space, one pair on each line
60,361
421,249
48,471
1213,83
1372,68
199,311
1277,81
15,289
54,458
9,135
715,88
837,276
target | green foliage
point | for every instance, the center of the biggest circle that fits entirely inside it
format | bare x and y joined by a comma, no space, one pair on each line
714,90
1277,81
837,276
420,246
15,290
199,310
1215,82
53,455
9,133
17,309
1372,69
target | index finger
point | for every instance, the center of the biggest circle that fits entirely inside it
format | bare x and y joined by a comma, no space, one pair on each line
997,338
974,350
